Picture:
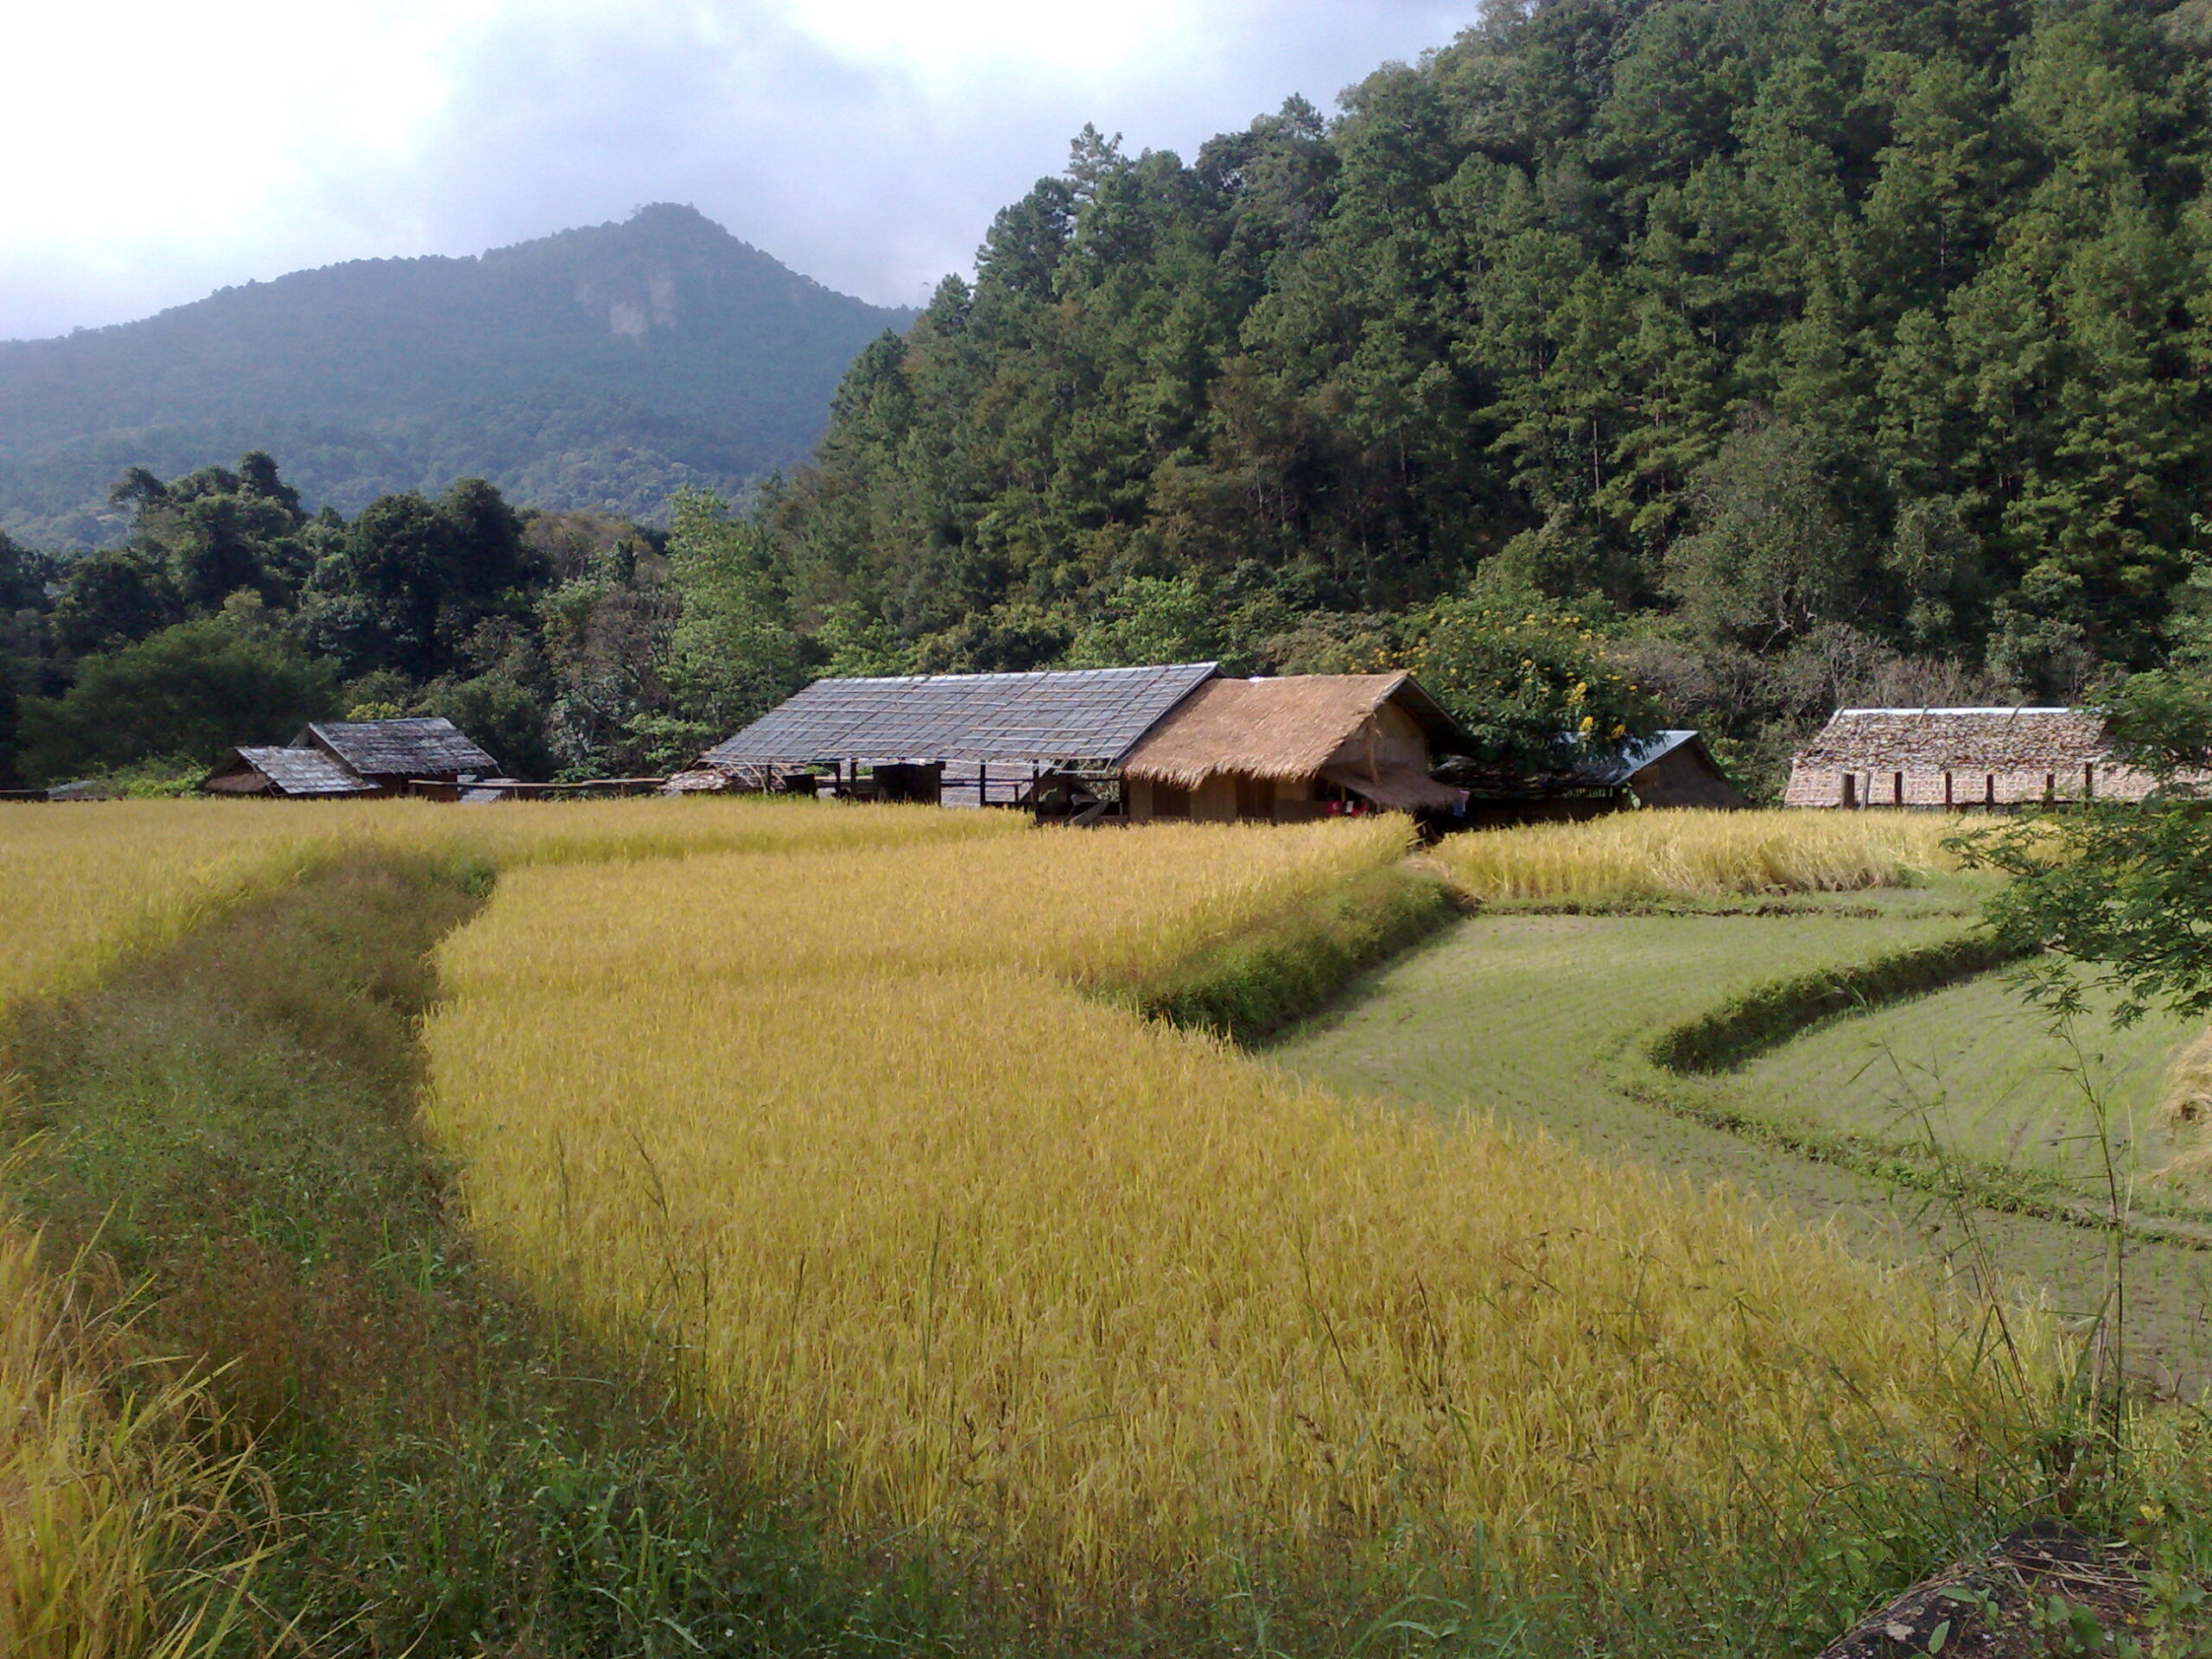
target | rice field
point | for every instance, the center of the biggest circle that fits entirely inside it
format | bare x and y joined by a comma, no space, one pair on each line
1983,1072
1530,1020
994,1268
1688,856
100,1503
85,885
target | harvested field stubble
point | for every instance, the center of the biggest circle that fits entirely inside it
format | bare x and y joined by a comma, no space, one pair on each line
998,1268
1654,856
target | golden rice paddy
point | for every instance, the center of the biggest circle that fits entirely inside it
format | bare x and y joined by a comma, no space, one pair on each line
996,1268
98,1500
1700,855
85,884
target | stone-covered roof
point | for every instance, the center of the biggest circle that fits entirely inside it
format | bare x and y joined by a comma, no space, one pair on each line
1065,714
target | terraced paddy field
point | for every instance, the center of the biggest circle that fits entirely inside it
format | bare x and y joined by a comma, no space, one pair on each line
1533,1020
1985,1072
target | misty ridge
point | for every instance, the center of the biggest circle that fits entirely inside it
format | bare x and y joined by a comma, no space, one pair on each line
605,367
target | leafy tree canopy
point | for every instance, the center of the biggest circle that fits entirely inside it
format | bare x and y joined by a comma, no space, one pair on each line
2118,893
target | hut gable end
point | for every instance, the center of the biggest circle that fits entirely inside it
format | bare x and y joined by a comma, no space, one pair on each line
1292,727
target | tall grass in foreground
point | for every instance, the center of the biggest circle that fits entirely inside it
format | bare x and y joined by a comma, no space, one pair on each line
1108,1312
103,1501
1699,855
86,884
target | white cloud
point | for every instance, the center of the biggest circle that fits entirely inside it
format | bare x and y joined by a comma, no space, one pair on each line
166,150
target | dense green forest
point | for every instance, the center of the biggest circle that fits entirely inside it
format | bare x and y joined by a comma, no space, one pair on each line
1717,361
1819,352
608,366
230,616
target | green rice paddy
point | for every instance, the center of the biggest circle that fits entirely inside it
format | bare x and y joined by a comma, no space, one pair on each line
1532,1020
1987,1075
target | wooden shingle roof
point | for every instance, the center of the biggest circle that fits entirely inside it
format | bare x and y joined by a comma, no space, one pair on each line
1064,715
421,746
1957,740
304,771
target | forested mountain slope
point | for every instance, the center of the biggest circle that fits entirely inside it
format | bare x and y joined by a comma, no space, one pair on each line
1827,347
600,367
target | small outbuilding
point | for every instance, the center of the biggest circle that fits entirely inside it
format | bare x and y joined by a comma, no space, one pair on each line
1672,768
1960,758
290,774
1668,769
1293,748
331,759
393,753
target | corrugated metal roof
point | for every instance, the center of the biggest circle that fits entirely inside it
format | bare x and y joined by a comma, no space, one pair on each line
1632,759
1059,715
422,746
304,771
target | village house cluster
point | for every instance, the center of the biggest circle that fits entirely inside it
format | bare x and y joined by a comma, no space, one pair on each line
1184,740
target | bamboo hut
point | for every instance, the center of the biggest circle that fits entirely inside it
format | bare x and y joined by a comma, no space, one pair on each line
393,755
1298,747
960,739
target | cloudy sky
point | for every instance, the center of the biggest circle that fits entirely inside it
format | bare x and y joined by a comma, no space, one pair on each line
160,150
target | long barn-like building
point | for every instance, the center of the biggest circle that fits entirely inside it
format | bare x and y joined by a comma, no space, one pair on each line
1959,759
1174,740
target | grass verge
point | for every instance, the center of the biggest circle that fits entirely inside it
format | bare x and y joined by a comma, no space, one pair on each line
1283,967
1686,1059
1752,1021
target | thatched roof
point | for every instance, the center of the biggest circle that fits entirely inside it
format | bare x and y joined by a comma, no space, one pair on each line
1957,740
422,746
1280,728
1065,714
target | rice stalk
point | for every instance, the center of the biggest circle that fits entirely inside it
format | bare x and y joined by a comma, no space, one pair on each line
1699,855
109,1509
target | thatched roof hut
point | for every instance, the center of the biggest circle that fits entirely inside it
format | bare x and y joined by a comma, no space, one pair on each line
1960,758
1294,748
